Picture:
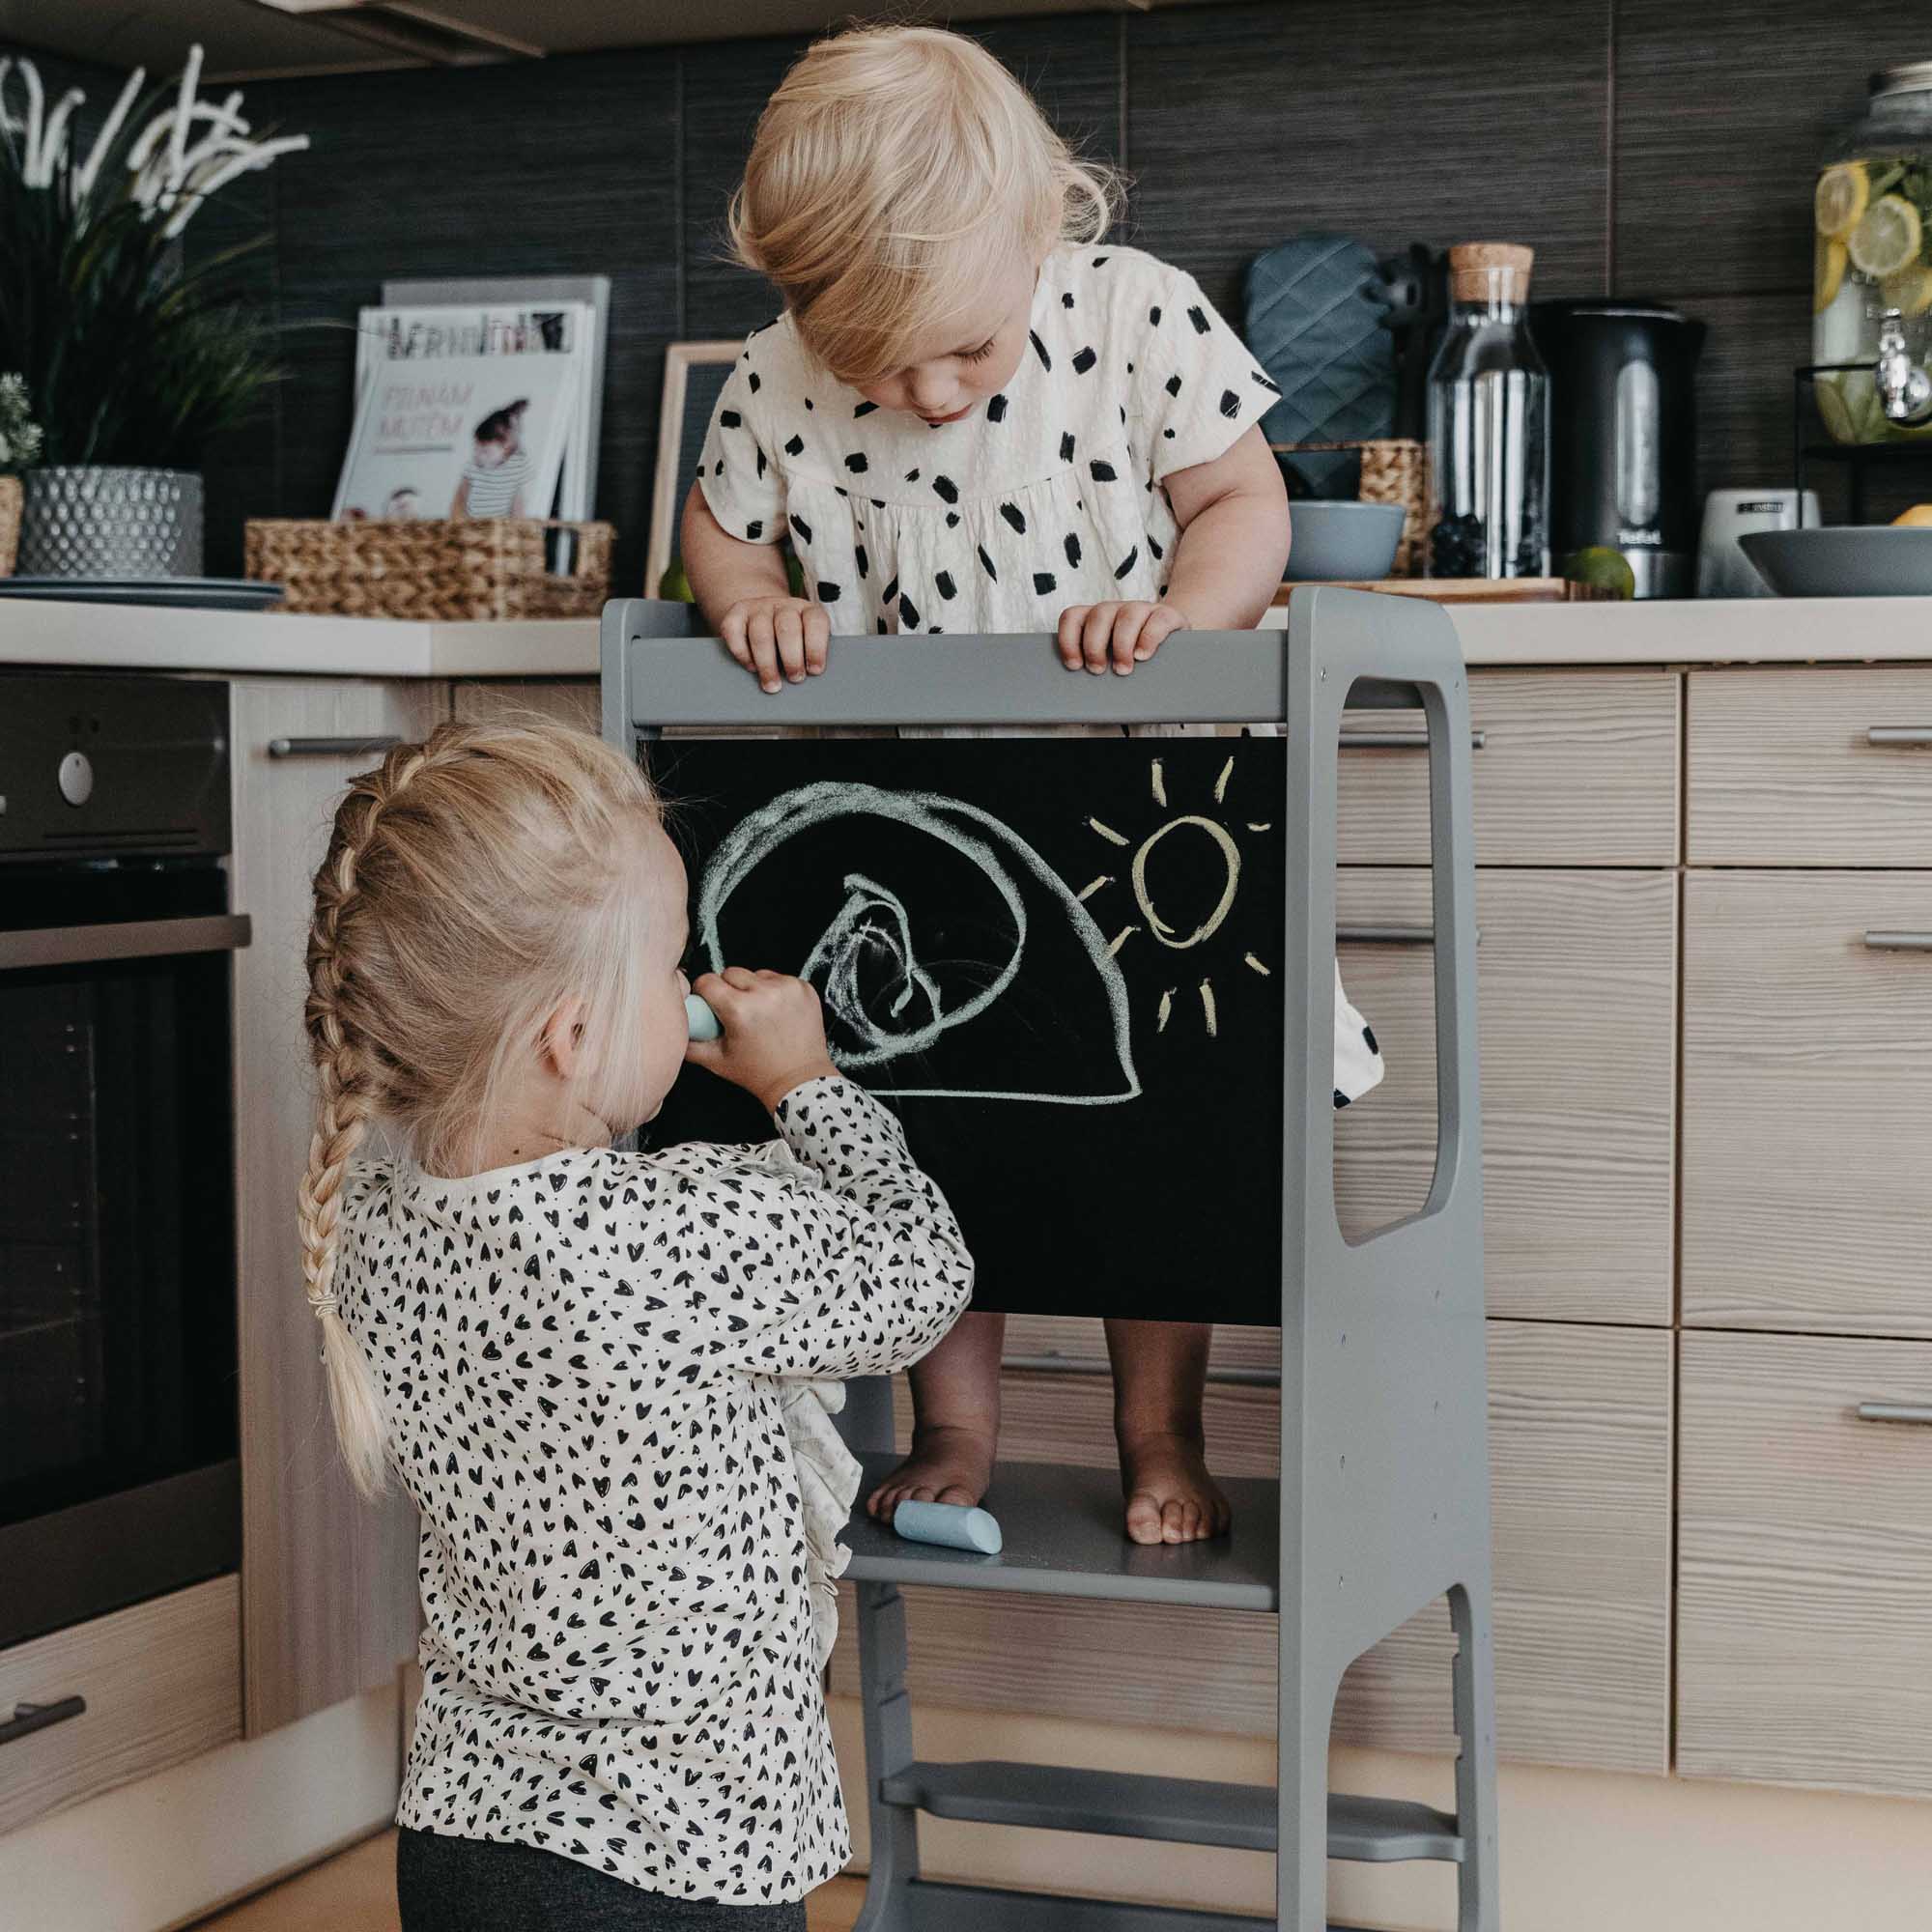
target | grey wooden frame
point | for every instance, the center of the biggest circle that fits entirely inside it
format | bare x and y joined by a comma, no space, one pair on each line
1384,1502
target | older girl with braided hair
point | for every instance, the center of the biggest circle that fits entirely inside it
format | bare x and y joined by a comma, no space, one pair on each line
599,1375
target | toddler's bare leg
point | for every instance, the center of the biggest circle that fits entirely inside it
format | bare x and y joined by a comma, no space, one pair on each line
1160,1369
955,1408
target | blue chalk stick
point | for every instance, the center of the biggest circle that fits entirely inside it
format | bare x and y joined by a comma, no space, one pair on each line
699,1017
954,1525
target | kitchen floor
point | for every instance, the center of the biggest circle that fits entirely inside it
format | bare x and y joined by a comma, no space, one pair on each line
355,1891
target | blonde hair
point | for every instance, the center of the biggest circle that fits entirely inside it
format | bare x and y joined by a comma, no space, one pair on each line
472,883
894,166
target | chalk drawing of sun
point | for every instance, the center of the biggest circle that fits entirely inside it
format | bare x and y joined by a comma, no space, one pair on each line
1221,851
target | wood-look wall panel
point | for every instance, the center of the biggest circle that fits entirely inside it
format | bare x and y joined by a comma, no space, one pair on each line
1247,125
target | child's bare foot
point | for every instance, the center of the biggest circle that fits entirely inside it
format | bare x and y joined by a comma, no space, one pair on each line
948,1465
1171,1497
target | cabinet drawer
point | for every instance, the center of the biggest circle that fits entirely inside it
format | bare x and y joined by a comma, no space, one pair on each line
162,1682
1576,768
1805,1564
1783,769
1807,1102
1579,1451
1576,986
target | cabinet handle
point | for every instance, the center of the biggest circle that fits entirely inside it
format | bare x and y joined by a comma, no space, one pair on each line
27,1718
1408,741
333,748
1895,1411
124,939
1899,735
1900,942
1390,935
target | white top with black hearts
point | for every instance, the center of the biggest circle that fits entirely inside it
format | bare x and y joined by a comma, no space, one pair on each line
582,1361
1046,496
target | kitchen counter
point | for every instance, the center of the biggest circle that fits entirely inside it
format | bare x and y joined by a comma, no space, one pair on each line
1755,631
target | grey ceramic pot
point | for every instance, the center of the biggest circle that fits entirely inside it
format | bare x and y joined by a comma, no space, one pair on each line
90,521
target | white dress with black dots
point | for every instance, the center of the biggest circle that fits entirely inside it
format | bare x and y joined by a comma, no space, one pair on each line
583,1361
1051,495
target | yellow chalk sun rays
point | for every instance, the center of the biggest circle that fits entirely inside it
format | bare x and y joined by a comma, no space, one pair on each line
1230,855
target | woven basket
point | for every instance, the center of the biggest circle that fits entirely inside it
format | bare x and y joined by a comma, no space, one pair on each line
12,496
1395,469
462,572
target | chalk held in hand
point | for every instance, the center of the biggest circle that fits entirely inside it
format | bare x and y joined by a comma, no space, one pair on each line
700,1019
957,1526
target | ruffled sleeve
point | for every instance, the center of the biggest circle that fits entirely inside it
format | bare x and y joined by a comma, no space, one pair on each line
1195,387
741,483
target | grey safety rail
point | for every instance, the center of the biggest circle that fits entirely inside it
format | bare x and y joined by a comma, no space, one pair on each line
1382,1504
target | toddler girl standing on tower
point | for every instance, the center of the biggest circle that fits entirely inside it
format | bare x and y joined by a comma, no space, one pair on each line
975,415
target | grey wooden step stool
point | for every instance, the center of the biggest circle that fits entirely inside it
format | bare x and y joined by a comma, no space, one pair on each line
1383,1503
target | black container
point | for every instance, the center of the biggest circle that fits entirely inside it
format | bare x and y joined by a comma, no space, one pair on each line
1623,444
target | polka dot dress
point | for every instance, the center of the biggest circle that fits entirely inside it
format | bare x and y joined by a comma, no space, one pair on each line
1045,496
584,1362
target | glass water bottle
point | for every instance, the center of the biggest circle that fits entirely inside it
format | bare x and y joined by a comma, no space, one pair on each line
1488,423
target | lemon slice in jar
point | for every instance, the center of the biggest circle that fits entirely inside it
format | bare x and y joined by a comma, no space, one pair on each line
1828,273
1887,239
1909,291
1839,204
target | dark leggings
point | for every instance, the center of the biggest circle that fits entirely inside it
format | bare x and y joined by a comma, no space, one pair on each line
477,1884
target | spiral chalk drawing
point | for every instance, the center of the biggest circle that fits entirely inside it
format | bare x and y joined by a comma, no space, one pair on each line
873,920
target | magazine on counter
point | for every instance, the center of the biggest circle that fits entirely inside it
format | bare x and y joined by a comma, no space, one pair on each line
466,411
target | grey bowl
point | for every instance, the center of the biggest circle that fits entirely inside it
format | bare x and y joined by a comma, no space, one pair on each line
1851,561
1350,540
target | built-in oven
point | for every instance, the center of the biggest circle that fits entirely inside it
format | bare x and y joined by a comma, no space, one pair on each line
119,1477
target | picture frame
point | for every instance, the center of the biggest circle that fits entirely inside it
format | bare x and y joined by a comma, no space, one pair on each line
694,373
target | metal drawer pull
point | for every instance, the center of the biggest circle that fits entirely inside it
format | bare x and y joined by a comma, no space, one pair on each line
1900,942
130,939
1895,1411
1899,735
1408,741
1390,935
27,1718
333,748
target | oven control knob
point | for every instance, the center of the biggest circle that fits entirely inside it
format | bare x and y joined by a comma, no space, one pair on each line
76,778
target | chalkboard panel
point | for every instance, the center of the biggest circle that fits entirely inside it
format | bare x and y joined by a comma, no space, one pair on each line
1057,959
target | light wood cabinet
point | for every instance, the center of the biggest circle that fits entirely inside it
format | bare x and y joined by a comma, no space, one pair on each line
1783,769
161,1682
1576,768
1577,988
1580,1421
329,1582
1804,1563
1807,1102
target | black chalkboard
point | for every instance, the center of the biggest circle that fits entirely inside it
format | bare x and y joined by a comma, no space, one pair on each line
1057,959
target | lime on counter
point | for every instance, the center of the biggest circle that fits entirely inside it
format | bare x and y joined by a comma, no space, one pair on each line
1842,196
676,585
1888,238
1601,567
1828,273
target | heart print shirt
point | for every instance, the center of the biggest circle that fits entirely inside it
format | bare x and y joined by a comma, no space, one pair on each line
584,1362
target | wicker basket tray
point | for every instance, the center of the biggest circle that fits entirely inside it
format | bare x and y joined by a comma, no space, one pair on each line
1395,469
493,568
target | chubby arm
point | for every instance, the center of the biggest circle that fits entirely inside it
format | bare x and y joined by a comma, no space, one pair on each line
743,592
1232,514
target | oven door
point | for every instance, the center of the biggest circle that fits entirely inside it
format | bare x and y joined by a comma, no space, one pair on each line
118,1426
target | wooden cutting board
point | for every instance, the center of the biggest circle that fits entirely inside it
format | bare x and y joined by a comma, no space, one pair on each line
1477,589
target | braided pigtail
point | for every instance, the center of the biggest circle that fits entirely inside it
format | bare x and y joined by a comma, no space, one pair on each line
348,1094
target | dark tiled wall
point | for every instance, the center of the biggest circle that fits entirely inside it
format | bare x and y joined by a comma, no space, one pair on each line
1642,146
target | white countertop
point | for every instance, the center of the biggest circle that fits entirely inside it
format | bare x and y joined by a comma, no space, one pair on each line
1752,631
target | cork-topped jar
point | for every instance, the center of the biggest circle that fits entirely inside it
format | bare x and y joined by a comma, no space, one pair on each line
1488,422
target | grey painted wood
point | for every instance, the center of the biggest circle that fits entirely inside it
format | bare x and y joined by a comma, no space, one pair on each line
1384,125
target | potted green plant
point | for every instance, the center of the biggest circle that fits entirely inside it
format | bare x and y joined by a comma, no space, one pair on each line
135,348
19,446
